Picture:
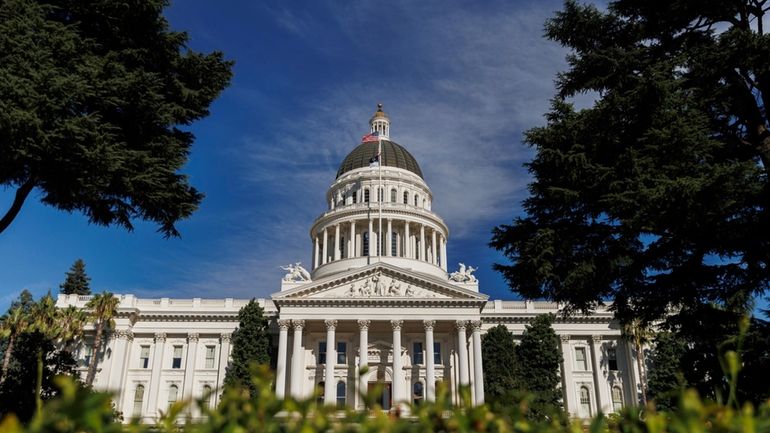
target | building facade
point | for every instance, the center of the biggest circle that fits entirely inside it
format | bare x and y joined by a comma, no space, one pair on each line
379,295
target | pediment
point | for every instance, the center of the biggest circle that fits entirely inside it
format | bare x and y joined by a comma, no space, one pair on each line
380,281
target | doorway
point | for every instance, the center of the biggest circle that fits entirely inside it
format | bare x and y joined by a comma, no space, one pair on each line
386,398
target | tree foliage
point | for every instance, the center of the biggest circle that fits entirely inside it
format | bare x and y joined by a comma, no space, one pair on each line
538,361
102,310
76,282
665,378
656,196
498,351
94,99
251,345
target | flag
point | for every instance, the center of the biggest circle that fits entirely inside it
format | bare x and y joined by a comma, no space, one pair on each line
375,160
374,136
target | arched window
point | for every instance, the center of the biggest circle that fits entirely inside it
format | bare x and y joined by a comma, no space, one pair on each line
380,194
354,194
206,400
416,199
366,195
319,391
617,399
406,197
393,195
418,392
138,400
366,244
585,401
173,392
341,394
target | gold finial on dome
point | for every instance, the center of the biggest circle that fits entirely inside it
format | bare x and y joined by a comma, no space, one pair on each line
379,112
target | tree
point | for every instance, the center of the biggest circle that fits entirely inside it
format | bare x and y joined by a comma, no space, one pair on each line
498,351
251,345
94,97
76,281
14,324
537,367
639,334
665,379
102,308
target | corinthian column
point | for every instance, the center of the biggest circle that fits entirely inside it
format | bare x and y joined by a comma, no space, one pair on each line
478,371
325,247
280,367
336,242
433,257
430,373
331,360
297,377
462,351
398,372
352,242
363,353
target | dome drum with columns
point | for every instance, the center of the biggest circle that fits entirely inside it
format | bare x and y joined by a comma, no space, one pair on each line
378,295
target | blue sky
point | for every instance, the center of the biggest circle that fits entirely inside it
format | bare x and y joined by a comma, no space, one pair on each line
460,80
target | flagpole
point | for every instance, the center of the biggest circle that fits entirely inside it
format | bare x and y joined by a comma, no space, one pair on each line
380,198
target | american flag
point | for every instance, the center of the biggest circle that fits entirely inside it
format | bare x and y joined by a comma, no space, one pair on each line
374,136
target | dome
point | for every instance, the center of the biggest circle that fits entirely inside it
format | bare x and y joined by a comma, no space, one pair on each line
393,155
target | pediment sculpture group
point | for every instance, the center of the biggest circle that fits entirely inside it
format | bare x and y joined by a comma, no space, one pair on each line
376,286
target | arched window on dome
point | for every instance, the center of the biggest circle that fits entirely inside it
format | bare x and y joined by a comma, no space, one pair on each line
416,200
365,245
366,195
354,194
393,195
406,197
380,194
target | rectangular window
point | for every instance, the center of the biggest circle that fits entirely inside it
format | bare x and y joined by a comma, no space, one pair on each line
437,353
580,359
321,352
210,353
144,357
612,359
417,358
342,352
176,362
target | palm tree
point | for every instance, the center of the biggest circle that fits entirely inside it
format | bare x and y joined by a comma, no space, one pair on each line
639,333
14,324
103,307
45,320
71,320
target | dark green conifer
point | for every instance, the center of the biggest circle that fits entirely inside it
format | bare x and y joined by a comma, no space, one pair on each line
77,282
251,345
498,352
537,366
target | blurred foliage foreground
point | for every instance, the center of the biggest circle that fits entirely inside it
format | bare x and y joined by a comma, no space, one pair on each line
80,410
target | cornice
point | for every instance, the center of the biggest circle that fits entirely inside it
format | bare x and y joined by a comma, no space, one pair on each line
379,302
527,318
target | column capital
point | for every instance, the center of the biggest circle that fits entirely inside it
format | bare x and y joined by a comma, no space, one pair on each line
193,337
124,335
396,324
428,324
298,324
160,337
564,338
331,324
475,325
363,324
461,324
283,324
596,339
225,336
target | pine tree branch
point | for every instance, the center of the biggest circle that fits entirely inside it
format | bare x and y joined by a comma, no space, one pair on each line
18,201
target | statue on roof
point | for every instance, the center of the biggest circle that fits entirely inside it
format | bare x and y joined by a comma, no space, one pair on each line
295,273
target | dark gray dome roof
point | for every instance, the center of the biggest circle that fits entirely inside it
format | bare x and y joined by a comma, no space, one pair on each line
393,155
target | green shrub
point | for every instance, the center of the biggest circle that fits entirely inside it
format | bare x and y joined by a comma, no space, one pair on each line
80,410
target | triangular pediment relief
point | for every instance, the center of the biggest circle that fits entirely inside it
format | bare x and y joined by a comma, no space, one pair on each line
380,281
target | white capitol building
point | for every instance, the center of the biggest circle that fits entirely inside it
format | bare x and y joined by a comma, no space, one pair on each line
379,282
